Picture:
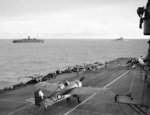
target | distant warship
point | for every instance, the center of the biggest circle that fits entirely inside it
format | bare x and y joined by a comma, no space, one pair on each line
121,38
28,40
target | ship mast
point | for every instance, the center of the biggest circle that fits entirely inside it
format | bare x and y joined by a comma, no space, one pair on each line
29,38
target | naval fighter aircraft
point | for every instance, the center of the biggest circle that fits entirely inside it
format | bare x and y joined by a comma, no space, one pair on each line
60,91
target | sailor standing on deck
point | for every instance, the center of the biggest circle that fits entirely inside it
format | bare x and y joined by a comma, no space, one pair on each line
41,94
141,61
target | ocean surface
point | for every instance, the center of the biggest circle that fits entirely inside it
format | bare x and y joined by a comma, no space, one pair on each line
20,60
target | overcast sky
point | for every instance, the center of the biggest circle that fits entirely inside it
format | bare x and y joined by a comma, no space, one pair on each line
70,18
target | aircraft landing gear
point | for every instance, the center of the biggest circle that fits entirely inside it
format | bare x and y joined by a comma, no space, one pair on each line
68,99
78,98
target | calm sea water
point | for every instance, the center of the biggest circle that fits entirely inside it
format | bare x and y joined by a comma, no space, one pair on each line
17,61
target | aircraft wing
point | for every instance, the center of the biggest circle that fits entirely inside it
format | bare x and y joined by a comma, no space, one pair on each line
50,87
51,101
89,90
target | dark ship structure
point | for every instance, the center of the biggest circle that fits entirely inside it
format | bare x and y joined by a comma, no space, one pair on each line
28,40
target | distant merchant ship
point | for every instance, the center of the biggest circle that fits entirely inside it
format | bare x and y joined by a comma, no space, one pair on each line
28,40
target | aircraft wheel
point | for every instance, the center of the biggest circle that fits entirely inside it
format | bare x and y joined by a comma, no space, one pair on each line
59,96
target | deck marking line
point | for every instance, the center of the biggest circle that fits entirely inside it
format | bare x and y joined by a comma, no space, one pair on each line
116,79
20,109
80,104
82,110
95,93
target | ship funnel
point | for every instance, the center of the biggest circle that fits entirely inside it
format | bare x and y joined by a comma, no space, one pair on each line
147,58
